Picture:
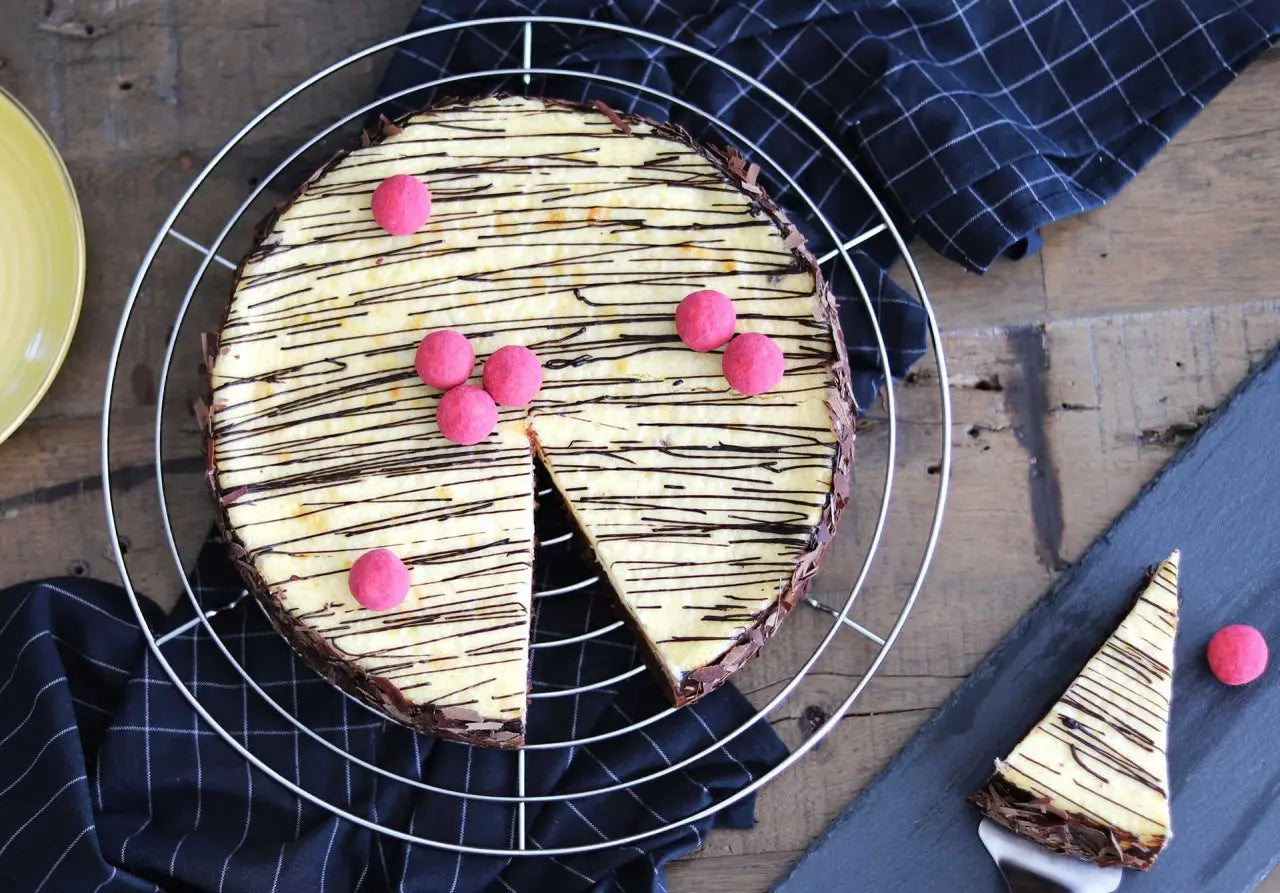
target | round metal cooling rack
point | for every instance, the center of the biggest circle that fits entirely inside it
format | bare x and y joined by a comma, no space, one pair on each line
839,615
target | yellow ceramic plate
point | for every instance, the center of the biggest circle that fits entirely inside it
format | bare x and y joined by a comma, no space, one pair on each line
41,263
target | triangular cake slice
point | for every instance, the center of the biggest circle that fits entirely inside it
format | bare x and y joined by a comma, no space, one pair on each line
1091,780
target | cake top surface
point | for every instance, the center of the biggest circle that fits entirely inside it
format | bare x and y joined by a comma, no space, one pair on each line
552,229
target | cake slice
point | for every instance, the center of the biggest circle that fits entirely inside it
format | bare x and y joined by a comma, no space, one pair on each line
1091,780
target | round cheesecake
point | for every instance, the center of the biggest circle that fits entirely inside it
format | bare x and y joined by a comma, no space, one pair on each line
574,231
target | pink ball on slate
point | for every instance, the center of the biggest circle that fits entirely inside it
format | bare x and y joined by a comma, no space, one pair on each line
1237,654
705,320
753,364
379,580
513,375
466,414
401,204
445,359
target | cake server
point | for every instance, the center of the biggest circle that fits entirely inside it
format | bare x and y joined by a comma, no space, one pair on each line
1030,868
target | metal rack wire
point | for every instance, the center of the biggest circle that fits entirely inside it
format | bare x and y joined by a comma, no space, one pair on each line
520,798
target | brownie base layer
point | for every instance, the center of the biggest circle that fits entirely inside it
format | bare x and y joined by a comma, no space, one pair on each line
455,724
1063,832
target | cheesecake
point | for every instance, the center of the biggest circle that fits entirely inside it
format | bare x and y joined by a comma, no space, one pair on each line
1091,780
576,231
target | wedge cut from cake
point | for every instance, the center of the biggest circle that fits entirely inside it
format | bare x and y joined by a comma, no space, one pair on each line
574,231
1091,780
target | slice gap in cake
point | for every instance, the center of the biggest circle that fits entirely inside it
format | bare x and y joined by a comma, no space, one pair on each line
1091,780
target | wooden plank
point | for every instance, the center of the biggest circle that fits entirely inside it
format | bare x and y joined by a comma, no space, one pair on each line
1191,231
1127,388
51,497
1010,293
756,871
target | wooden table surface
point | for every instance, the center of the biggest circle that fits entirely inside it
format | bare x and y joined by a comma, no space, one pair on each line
1075,373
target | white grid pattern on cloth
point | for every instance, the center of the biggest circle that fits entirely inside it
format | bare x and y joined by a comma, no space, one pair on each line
31,819
62,856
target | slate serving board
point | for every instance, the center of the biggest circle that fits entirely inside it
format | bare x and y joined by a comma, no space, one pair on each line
1219,501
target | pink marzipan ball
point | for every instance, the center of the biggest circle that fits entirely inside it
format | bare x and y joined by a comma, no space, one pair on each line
753,364
705,320
1237,654
466,414
379,580
513,375
401,204
444,359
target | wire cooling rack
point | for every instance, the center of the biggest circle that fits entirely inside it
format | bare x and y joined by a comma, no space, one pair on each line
151,286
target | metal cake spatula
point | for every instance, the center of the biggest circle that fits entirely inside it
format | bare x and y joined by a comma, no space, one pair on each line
1030,868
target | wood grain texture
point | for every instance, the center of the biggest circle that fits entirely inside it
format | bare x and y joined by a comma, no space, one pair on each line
1123,355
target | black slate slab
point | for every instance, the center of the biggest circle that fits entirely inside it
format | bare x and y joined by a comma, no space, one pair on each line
1219,501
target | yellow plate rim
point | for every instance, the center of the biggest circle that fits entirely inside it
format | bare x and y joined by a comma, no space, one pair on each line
7,428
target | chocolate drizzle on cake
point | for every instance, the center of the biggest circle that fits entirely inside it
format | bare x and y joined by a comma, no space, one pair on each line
708,510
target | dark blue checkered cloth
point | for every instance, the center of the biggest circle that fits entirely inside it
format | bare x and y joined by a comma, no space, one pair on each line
977,122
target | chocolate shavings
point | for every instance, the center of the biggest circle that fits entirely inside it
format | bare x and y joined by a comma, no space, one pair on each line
613,116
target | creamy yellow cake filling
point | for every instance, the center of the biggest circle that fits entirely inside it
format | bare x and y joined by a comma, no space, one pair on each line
551,229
